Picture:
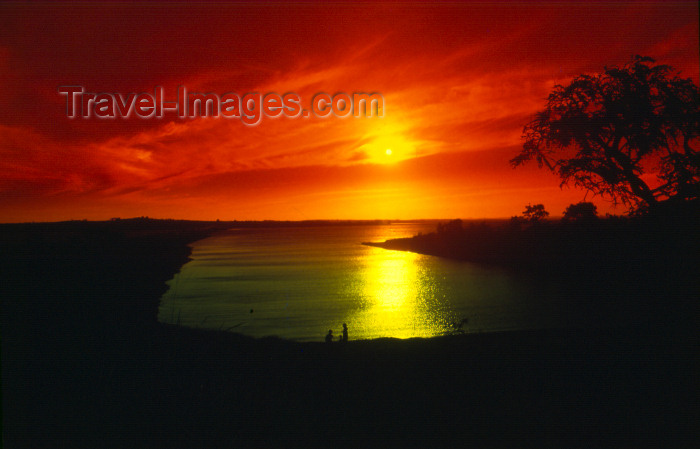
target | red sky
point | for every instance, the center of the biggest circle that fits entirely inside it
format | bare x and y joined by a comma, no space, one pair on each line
459,81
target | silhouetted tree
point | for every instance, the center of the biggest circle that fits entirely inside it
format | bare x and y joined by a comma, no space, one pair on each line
583,211
604,132
535,214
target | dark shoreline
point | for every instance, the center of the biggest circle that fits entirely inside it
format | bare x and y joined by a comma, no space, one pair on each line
86,364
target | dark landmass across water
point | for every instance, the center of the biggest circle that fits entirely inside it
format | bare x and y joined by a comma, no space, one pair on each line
530,245
86,364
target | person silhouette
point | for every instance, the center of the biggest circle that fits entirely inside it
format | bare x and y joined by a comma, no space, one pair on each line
329,336
344,338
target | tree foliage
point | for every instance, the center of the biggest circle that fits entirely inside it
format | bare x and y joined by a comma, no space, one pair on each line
629,134
535,214
583,211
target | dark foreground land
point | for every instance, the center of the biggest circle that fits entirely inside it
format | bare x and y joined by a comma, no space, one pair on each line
85,364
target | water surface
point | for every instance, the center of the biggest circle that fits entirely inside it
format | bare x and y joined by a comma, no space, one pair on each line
299,282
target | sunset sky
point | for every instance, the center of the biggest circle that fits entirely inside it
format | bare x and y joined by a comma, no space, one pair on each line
459,82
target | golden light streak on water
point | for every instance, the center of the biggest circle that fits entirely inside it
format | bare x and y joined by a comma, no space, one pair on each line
397,298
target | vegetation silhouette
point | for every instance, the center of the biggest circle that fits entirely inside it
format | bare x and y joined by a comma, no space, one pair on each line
609,132
534,214
579,241
581,212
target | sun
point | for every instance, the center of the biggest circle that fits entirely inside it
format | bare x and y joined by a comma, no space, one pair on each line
387,143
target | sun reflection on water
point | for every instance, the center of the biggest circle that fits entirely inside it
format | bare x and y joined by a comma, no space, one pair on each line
397,298
297,283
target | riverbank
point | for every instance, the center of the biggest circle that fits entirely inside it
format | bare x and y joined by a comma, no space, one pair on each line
85,364
610,242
